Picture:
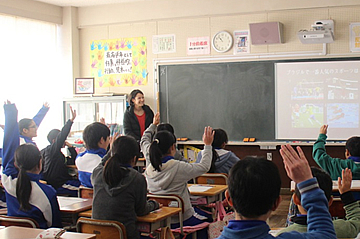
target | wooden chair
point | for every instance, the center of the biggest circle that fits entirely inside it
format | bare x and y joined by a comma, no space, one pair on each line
171,200
212,178
18,221
85,192
102,228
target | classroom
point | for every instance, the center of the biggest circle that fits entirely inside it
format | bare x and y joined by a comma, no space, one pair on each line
81,26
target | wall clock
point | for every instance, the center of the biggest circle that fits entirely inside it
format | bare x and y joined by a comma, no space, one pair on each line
222,41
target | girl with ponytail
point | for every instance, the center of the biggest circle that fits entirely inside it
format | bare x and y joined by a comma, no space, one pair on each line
25,195
120,192
222,160
165,175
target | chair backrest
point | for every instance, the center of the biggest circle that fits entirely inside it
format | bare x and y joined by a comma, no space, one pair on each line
18,221
102,228
212,178
170,200
85,192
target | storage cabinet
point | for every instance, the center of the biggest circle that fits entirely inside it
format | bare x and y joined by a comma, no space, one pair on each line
92,109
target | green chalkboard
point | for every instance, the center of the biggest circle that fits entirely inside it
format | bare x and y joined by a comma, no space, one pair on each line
238,97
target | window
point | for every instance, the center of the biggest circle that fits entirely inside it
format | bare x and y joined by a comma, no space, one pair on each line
31,71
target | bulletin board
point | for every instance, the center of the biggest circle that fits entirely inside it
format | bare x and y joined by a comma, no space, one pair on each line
119,62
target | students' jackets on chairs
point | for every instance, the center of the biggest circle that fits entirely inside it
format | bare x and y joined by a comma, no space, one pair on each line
212,178
103,229
18,221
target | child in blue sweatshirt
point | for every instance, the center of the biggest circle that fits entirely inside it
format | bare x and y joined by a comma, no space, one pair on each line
254,197
25,195
96,137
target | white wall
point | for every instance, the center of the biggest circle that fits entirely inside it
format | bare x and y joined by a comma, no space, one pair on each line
205,18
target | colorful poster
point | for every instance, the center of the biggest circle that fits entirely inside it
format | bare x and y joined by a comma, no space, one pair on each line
198,46
164,44
241,42
119,62
355,37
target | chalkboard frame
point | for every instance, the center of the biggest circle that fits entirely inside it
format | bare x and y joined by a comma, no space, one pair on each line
185,114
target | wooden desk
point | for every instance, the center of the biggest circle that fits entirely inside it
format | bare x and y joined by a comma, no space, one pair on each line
213,194
355,186
157,219
152,221
25,233
73,206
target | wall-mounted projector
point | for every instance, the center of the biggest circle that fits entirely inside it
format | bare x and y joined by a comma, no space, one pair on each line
322,32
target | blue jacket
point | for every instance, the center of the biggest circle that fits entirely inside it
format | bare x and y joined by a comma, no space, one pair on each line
44,205
225,161
37,119
86,162
319,219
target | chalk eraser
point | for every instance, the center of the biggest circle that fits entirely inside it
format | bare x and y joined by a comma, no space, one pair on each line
182,139
252,139
246,139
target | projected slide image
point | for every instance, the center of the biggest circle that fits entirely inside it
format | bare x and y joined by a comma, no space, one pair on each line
342,89
307,89
343,115
307,115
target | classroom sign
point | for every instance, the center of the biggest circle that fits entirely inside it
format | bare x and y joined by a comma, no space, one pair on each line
119,62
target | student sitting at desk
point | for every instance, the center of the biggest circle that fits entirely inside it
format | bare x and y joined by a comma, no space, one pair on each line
222,160
348,228
26,196
96,138
120,191
148,136
55,171
334,166
168,176
254,192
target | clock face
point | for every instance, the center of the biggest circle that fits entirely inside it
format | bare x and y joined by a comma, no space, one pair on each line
222,41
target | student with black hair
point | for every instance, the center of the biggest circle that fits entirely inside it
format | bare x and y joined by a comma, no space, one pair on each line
137,116
334,166
28,127
168,176
120,192
96,137
344,228
222,160
55,170
148,136
254,192
21,166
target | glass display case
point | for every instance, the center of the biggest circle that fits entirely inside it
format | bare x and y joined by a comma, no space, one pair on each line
92,109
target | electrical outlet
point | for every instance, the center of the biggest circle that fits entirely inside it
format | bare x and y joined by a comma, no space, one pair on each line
269,156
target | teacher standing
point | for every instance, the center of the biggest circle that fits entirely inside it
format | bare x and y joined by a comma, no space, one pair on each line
138,116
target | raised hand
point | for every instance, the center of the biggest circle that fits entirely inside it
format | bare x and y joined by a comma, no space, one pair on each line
102,120
323,129
73,114
156,119
46,104
296,164
208,135
345,183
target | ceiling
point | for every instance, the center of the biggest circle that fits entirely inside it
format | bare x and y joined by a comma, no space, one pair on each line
84,3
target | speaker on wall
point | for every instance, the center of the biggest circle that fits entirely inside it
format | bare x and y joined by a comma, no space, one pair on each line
266,33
